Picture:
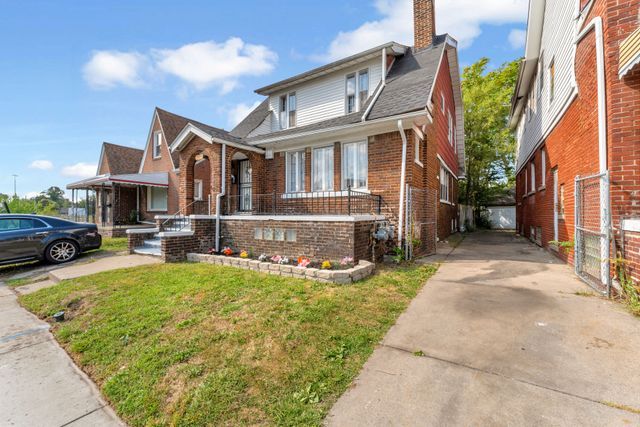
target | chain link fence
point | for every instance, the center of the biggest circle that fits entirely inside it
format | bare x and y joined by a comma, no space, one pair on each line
592,236
421,222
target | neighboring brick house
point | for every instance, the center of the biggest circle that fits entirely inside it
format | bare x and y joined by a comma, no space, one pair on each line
576,112
331,159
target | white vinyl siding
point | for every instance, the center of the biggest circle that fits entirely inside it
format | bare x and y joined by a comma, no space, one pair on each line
324,97
322,169
263,128
557,46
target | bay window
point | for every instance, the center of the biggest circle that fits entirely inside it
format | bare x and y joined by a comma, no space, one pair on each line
322,169
295,171
355,165
157,199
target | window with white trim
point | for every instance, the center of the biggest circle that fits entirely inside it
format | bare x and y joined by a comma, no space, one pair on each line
363,87
526,181
552,79
351,93
197,189
157,199
533,177
295,171
450,136
322,169
442,102
355,166
543,169
417,148
445,189
283,112
157,144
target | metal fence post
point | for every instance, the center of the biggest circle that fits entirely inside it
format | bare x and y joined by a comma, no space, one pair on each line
349,200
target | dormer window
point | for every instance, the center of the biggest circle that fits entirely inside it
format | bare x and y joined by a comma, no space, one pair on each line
157,144
283,112
351,93
292,109
363,86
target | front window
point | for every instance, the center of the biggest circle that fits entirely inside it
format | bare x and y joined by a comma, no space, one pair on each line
363,86
354,165
197,189
157,199
322,169
295,171
293,106
351,93
157,144
283,112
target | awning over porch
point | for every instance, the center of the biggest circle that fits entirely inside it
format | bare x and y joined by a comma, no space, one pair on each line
158,179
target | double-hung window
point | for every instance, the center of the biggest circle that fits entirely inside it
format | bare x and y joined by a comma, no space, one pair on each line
444,185
295,171
293,107
351,93
197,189
283,112
355,165
363,87
450,129
322,169
156,199
157,144
543,169
533,177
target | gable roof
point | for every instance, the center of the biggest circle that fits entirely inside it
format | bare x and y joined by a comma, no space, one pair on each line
252,121
120,159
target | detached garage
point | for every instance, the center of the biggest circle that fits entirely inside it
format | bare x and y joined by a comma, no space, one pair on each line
501,213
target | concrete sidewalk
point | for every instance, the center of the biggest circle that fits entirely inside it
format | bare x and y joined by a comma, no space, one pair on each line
40,385
499,337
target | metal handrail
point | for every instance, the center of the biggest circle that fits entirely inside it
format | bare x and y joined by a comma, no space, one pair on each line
181,214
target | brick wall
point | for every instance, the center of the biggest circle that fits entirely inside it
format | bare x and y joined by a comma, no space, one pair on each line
314,239
572,146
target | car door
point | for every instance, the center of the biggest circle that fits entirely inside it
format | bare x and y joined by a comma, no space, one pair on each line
14,239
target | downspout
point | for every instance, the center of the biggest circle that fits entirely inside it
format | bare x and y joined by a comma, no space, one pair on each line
605,212
403,172
219,196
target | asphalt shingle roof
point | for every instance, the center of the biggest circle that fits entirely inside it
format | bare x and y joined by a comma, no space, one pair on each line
121,159
252,121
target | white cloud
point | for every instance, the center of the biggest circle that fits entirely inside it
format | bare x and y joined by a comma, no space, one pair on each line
198,65
44,165
239,112
32,194
109,68
80,170
460,18
207,64
517,38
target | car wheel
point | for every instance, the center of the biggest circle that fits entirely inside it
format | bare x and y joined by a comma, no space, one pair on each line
62,251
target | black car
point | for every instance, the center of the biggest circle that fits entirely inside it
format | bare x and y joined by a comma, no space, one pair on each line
28,237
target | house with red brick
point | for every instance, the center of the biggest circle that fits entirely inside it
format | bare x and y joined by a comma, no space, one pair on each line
575,112
348,159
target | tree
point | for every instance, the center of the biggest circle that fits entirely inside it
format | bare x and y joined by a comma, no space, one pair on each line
490,145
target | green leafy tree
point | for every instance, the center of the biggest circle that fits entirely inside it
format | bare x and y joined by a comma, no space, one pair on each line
490,145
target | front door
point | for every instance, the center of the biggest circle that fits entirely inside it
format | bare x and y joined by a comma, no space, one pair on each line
556,206
244,184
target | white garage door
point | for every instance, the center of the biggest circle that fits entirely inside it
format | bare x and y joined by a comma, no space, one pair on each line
502,217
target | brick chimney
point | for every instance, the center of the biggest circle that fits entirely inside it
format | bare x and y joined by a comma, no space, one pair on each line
424,23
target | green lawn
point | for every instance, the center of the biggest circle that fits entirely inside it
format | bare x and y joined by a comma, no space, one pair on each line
197,344
114,244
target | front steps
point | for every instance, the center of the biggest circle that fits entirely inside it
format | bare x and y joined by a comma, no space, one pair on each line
151,247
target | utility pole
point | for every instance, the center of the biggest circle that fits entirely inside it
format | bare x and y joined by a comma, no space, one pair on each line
15,191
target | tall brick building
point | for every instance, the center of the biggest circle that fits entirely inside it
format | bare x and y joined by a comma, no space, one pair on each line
334,158
576,111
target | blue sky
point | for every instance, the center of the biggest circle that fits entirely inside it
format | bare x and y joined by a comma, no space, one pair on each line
76,73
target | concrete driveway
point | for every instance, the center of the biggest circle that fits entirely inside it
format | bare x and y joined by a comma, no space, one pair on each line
499,337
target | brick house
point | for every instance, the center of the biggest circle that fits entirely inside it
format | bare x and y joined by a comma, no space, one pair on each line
575,112
346,159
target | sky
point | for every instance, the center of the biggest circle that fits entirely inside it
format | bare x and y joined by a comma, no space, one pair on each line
76,73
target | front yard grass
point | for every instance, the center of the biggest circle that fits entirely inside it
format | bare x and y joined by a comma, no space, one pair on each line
114,244
197,344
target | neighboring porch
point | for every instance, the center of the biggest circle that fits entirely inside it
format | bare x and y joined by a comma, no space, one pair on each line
125,201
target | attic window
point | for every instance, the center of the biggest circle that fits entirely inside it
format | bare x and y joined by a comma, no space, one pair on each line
157,144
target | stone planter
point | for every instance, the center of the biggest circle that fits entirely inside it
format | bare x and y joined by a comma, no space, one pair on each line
343,277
